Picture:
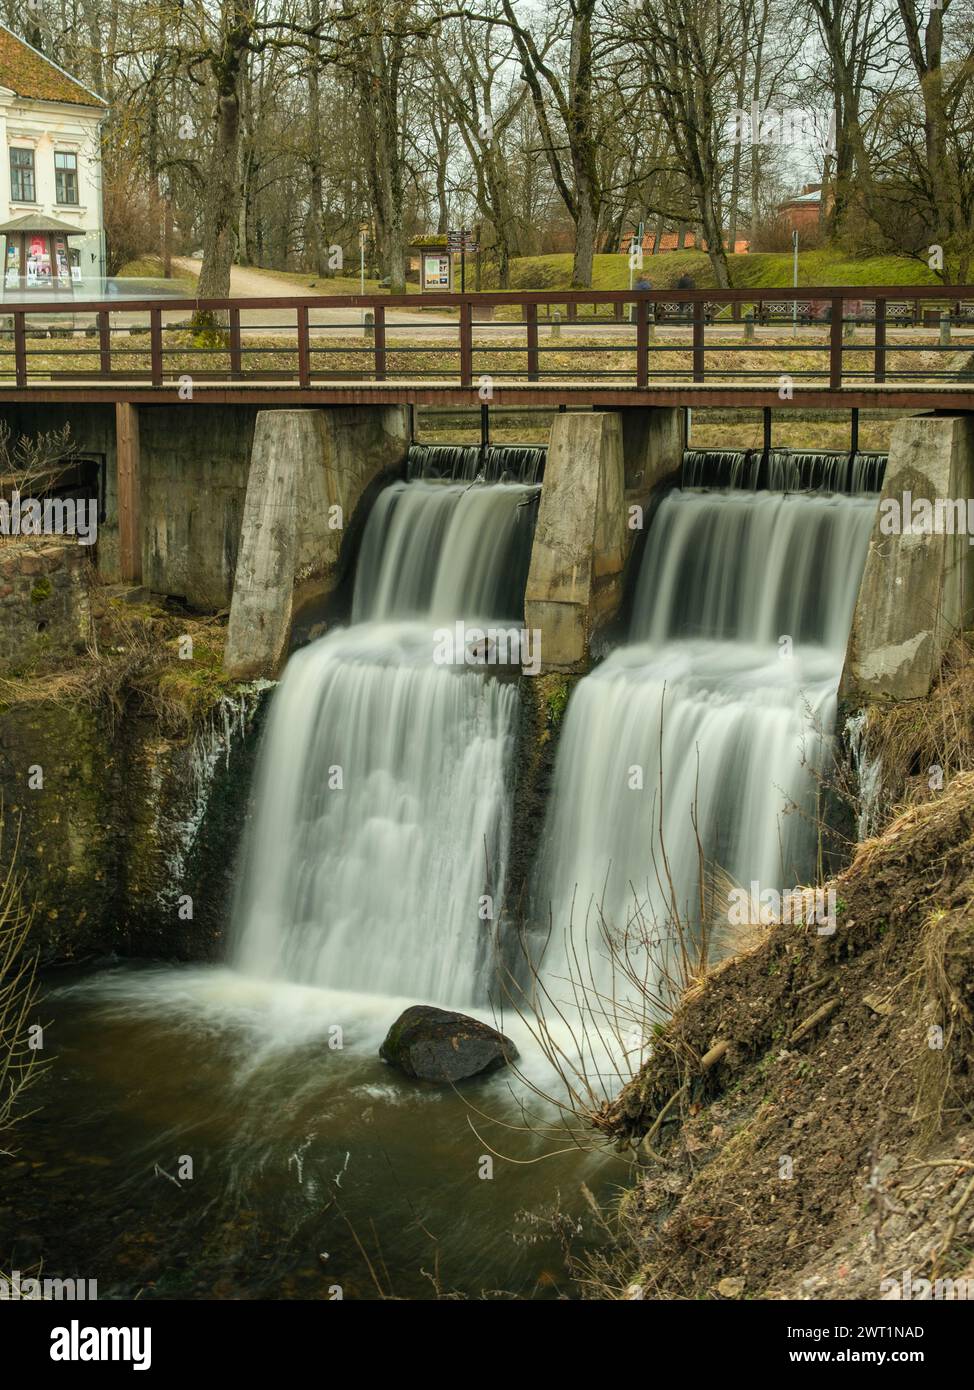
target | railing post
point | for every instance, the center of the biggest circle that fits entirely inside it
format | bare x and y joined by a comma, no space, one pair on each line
236,357
466,343
380,342
642,343
835,345
698,357
104,343
155,345
20,347
879,357
617,308
304,355
531,319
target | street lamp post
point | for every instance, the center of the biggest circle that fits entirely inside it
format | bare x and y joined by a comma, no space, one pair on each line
794,281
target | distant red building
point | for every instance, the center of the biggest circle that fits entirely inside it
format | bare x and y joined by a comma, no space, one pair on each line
804,211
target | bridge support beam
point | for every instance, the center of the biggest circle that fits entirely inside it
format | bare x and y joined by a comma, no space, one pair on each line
917,587
128,457
308,471
598,465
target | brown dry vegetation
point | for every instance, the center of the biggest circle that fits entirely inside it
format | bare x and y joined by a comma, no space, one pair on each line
572,356
831,1145
170,664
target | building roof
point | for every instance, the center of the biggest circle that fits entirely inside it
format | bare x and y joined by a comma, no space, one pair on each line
26,72
40,222
807,199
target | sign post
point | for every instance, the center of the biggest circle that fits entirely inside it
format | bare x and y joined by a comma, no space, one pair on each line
462,241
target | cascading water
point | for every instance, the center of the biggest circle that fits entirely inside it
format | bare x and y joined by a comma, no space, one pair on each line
497,463
784,470
716,713
382,793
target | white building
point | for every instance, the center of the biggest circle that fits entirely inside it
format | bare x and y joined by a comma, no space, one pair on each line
50,170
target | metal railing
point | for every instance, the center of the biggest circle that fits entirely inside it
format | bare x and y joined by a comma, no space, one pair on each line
38,345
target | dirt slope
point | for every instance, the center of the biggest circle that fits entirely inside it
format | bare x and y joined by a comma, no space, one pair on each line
793,1166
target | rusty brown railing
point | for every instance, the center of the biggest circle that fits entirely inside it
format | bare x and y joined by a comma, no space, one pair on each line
623,320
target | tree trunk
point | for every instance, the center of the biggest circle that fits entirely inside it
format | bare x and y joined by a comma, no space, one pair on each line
221,201
583,261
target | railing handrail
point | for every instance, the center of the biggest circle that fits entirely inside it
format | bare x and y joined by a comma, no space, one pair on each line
444,299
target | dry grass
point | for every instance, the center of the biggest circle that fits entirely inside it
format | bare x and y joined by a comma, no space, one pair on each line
169,663
922,744
18,996
32,464
570,356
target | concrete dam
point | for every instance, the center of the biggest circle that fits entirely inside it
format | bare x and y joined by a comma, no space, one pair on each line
537,712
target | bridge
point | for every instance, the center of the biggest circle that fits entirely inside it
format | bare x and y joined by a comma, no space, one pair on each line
309,407
844,348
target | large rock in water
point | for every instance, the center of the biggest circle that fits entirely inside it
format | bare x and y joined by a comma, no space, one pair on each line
436,1045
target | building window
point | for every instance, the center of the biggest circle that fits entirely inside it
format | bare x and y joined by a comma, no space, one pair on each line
66,177
21,175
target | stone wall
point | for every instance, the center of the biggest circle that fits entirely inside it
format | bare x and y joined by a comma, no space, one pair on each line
44,602
127,838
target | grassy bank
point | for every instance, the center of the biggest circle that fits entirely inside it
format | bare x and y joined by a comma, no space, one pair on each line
762,270
150,268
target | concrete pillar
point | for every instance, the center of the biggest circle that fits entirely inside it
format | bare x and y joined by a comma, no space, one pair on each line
915,589
129,492
308,471
653,441
598,466
580,538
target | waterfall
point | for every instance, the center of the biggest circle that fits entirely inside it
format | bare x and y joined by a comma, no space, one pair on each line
784,470
717,714
382,795
446,550
497,463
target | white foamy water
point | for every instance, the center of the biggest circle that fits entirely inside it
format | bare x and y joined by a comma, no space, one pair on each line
707,715
382,819
382,797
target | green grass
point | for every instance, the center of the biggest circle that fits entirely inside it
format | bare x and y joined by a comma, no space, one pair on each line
150,268
762,270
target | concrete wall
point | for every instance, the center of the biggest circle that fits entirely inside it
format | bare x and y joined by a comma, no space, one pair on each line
916,588
195,464
195,460
597,466
308,472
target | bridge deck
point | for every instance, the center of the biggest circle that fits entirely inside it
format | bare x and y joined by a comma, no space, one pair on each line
952,396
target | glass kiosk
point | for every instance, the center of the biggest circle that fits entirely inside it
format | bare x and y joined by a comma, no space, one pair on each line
38,258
